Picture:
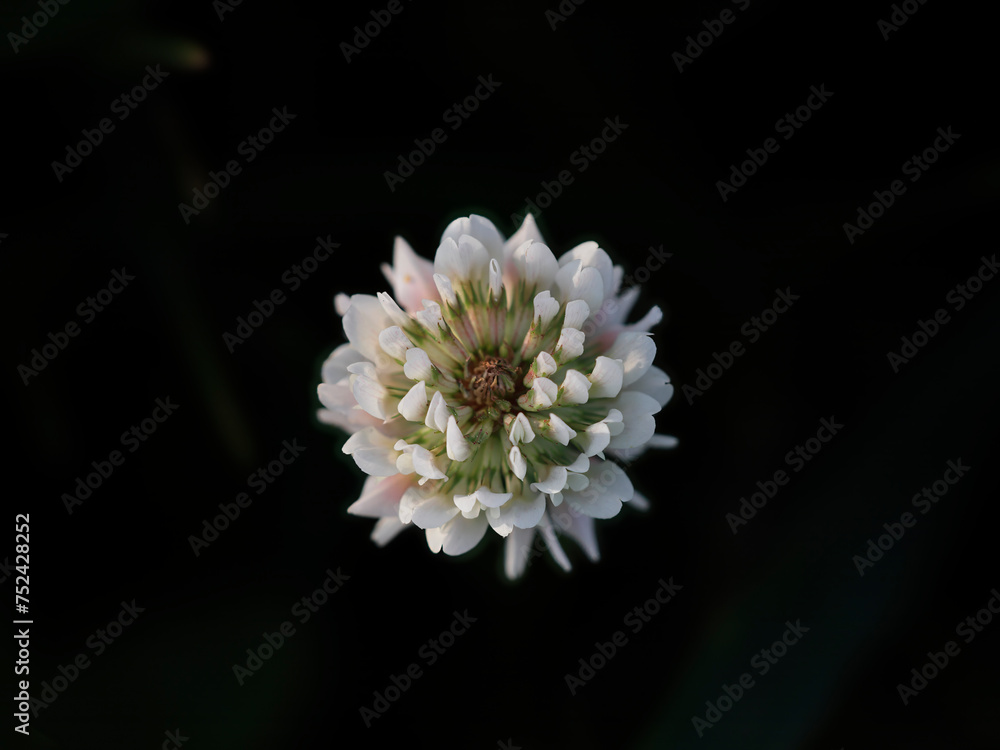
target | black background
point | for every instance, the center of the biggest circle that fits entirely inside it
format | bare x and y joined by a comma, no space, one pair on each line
505,679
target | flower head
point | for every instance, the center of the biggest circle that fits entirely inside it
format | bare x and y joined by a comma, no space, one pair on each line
496,388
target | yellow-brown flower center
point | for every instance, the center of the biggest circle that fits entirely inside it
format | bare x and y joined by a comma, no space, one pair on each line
492,385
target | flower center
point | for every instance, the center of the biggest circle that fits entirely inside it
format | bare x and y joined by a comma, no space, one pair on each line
492,386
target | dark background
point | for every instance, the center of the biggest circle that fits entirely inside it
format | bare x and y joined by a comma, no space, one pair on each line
655,185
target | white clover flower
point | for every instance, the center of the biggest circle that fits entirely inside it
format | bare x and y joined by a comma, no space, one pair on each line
495,388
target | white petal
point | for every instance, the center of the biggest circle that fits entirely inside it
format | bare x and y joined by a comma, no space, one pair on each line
576,281
650,319
489,499
457,446
372,396
435,538
559,430
517,551
496,279
637,413
409,500
590,254
542,395
386,530
639,502
479,227
517,463
363,322
393,310
544,365
433,511
545,307
465,503
570,344
445,289
365,439
607,377
577,311
413,406
340,303
335,367
525,511
520,430
379,462
502,523
394,342
460,260
656,383
551,479
555,549
425,464
609,487
418,365
437,413
462,534
636,351
336,397
579,527
574,388
430,317
662,441
535,264
350,419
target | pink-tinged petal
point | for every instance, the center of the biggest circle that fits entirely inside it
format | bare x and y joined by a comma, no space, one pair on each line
336,397
349,420
386,530
380,496
411,277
